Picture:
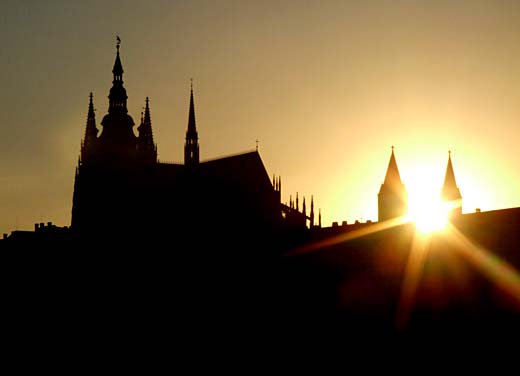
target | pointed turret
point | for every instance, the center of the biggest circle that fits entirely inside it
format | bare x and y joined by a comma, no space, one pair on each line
312,212
392,197
91,132
145,144
191,147
450,192
304,208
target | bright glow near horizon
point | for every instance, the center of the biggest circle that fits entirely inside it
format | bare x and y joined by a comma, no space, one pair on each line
429,215
425,206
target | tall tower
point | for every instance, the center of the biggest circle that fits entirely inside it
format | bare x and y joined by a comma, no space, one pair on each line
117,124
107,177
191,147
145,145
450,192
392,198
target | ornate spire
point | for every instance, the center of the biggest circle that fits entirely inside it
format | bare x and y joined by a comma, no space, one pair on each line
91,130
191,147
146,144
450,191
192,128
117,96
118,67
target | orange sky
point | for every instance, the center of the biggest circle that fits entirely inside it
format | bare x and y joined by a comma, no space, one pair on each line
327,87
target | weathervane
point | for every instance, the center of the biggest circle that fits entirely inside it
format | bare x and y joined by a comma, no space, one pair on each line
118,40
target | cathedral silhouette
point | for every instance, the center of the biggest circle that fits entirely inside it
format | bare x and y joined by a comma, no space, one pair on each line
121,188
211,244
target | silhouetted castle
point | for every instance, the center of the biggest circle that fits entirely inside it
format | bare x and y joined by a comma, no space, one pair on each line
121,187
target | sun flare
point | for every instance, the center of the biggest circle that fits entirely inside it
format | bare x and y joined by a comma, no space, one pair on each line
425,206
429,215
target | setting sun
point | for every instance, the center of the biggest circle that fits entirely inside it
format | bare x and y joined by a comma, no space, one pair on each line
425,206
429,215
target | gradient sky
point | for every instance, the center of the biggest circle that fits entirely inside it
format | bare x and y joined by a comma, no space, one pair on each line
326,86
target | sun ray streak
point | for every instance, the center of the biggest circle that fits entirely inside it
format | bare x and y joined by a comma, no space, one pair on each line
412,276
496,269
315,246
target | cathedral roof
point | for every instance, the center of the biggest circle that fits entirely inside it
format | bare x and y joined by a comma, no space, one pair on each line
246,170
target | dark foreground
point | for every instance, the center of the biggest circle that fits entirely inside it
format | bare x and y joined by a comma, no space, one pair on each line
228,291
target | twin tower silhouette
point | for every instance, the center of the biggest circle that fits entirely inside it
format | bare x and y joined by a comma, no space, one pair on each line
393,199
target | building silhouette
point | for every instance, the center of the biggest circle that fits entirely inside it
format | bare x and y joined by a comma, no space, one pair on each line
121,188
206,249
392,200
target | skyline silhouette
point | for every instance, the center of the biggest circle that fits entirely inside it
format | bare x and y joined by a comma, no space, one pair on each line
174,231
327,79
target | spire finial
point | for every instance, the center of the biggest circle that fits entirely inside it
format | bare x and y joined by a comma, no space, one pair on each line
118,42
257,144
449,153
392,148
191,83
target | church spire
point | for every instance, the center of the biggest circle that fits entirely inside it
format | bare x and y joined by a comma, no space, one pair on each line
118,67
117,96
191,147
392,197
450,191
145,141
392,177
91,131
